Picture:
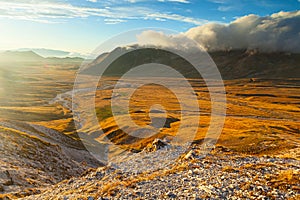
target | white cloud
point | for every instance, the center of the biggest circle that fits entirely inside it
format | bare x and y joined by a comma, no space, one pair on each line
178,18
278,32
225,8
160,39
218,1
47,11
114,21
44,11
94,1
178,42
178,1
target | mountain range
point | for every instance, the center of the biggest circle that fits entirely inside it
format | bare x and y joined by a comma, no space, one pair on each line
232,64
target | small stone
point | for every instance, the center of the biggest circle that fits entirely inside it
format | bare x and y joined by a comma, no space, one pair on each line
171,195
138,193
197,171
189,155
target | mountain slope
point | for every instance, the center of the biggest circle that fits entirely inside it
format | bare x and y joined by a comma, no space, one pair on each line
35,156
252,64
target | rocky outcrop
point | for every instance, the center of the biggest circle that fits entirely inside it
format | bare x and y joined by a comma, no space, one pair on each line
157,144
218,176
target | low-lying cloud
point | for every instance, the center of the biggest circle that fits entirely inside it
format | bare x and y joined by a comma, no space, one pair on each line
155,38
277,32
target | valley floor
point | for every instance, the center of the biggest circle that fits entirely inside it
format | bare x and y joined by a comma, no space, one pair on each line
256,156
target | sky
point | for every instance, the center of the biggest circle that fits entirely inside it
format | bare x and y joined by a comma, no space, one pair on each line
81,25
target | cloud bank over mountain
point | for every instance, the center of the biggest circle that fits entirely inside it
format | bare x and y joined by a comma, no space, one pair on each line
155,38
277,32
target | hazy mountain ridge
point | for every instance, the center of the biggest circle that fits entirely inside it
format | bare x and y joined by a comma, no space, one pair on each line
48,53
31,56
18,56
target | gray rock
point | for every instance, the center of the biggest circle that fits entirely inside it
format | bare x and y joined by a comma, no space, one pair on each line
171,195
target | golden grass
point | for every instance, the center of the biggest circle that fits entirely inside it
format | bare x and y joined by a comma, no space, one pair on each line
229,169
64,125
261,116
285,179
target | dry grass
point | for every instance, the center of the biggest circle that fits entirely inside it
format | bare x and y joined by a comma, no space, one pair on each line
25,193
259,121
229,169
285,180
261,115
286,175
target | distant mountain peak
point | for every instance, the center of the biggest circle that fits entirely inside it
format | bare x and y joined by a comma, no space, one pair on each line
30,56
27,53
50,53
19,56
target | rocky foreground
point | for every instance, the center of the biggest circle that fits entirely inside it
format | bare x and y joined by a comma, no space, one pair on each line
220,175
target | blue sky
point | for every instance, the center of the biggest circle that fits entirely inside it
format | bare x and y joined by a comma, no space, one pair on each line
81,25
